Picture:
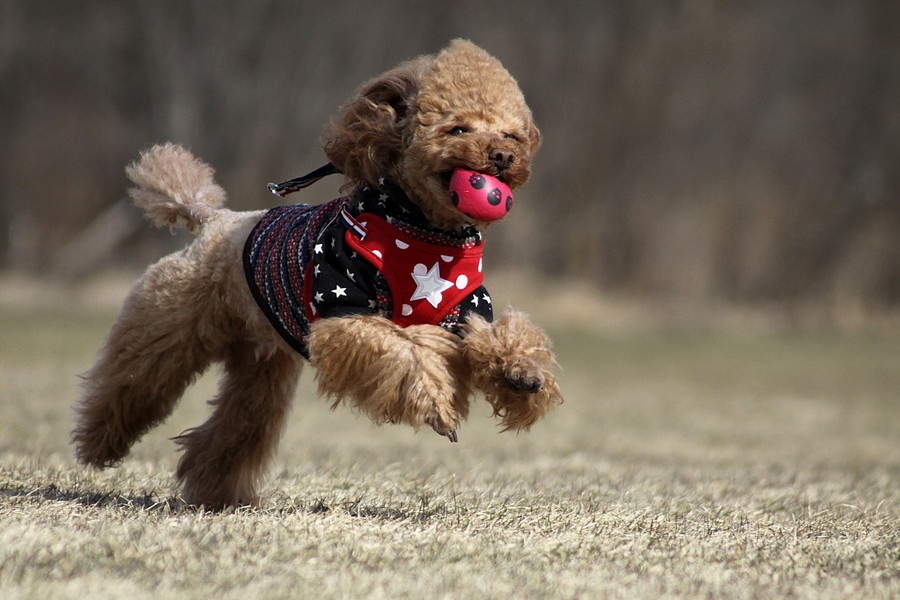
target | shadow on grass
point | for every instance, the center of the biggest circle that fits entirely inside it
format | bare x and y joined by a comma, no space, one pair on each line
52,493
420,509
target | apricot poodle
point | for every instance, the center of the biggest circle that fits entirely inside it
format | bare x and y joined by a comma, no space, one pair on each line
382,290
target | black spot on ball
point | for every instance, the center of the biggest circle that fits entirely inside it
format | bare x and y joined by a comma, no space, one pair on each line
454,197
477,181
494,197
508,203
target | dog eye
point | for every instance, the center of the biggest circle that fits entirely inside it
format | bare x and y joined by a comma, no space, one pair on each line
458,130
512,136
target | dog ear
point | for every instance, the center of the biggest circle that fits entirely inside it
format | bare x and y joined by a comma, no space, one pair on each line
534,138
366,141
395,90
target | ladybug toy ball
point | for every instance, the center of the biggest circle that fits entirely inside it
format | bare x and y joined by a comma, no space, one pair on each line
479,195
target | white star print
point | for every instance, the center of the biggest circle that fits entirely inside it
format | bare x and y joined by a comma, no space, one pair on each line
475,300
487,298
429,285
338,291
381,181
318,249
372,304
351,275
319,297
315,269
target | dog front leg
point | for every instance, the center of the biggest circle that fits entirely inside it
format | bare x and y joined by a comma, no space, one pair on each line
511,362
411,375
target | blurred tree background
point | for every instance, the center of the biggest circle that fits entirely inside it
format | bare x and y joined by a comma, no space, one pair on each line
698,150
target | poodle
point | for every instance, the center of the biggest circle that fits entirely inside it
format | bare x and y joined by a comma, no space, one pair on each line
380,290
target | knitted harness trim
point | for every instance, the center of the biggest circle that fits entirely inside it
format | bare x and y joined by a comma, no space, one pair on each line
277,263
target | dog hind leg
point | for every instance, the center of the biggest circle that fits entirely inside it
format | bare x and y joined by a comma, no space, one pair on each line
149,358
225,459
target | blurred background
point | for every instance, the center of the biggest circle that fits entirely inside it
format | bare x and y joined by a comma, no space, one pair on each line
695,151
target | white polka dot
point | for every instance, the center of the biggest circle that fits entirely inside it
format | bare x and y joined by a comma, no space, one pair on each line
377,253
479,265
446,258
420,269
401,244
461,282
406,309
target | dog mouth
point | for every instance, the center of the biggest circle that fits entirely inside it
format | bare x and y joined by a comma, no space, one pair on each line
447,176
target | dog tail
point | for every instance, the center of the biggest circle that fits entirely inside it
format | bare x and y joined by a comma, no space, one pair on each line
173,187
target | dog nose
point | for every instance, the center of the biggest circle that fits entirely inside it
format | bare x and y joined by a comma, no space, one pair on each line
501,158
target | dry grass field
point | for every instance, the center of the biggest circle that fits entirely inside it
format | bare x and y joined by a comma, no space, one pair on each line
689,461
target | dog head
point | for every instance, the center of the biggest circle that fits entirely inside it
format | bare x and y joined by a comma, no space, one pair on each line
419,122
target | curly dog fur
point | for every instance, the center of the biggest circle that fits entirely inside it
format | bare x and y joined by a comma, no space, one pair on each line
414,124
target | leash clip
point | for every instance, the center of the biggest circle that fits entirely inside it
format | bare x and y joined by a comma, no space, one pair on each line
298,183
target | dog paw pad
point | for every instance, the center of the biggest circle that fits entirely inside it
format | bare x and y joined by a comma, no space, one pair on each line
522,382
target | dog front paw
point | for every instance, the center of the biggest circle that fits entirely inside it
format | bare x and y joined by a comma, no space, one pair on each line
524,376
441,428
511,362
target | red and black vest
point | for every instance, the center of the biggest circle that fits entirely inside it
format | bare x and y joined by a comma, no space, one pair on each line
372,252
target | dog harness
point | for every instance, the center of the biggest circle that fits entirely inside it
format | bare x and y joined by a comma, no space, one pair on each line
372,252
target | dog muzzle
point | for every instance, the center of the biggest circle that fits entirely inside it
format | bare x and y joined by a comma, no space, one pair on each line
480,196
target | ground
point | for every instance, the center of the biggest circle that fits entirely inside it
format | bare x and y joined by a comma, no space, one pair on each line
727,458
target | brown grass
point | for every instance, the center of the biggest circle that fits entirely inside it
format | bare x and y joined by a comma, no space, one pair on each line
687,462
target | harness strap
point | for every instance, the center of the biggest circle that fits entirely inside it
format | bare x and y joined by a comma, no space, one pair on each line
427,281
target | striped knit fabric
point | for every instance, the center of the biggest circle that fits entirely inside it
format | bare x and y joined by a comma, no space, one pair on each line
277,257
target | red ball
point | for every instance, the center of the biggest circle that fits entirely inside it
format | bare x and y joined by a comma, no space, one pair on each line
481,196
